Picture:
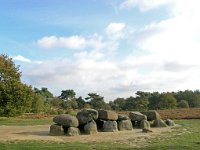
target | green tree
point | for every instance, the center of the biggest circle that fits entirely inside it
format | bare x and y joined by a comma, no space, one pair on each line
56,102
15,97
154,100
96,101
140,102
67,94
129,105
192,97
183,104
167,101
80,101
37,104
44,92
118,104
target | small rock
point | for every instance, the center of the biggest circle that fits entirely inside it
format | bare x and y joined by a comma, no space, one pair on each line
159,123
146,130
170,122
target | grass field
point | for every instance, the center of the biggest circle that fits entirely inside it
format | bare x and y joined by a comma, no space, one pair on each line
22,121
185,137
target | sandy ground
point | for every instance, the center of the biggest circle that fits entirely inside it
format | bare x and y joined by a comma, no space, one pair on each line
41,133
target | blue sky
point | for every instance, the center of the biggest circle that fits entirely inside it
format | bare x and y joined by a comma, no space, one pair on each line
112,47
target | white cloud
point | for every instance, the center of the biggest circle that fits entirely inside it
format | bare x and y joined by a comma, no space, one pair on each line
169,58
115,30
26,60
171,47
48,42
72,42
21,58
144,5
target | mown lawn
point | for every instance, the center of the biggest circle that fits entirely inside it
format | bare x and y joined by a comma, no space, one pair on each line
183,138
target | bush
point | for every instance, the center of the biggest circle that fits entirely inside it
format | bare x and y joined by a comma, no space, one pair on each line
60,111
183,104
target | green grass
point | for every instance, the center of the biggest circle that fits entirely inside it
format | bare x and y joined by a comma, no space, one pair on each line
22,122
32,145
183,138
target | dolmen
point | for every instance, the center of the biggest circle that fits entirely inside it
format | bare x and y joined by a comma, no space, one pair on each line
91,121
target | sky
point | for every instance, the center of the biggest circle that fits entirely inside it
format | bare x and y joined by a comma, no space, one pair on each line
110,47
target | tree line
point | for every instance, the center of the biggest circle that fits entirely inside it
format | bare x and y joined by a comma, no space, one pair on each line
17,98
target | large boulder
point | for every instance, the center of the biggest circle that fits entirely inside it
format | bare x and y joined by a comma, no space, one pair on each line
170,122
122,117
56,129
108,115
66,120
144,124
159,123
110,126
137,116
151,115
90,128
125,125
72,131
86,115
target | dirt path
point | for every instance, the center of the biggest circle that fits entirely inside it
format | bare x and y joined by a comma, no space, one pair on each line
41,133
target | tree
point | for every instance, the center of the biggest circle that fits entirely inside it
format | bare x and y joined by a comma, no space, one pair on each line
37,104
44,92
192,97
15,97
183,104
118,104
67,94
80,102
69,104
129,105
56,102
154,100
140,102
96,101
167,101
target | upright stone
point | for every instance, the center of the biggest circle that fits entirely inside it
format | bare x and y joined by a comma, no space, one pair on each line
91,128
108,115
144,124
110,126
56,130
125,125
137,116
66,120
72,131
